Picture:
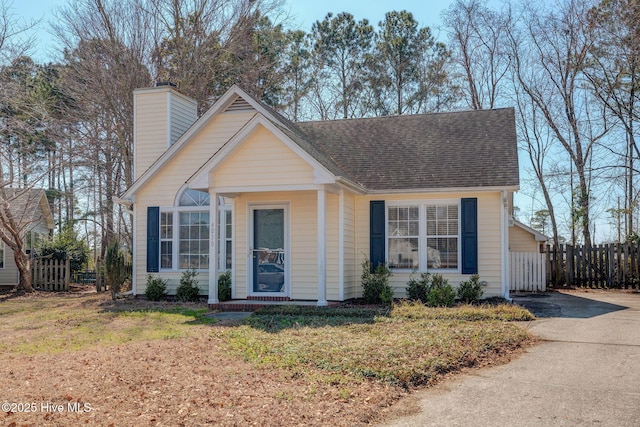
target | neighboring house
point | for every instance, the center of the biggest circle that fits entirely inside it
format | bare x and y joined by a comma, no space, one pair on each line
292,209
523,238
32,210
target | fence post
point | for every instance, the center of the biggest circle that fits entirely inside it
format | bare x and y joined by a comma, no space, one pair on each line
548,261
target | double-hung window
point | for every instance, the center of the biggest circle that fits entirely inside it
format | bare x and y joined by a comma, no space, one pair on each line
424,235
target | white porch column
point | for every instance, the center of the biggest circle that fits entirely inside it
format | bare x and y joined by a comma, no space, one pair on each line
322,248
213,249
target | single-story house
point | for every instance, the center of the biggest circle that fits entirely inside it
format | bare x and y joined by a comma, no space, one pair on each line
31,208
292,209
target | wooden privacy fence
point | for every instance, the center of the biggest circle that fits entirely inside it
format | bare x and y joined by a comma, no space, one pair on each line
50,274
528,271
613,265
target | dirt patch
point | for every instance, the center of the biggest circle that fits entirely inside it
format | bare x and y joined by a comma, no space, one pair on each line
188,381
182,382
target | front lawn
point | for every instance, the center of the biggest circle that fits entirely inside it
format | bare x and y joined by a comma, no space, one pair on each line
140,363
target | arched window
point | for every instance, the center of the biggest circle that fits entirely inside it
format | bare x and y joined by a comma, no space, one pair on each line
190,197
185,232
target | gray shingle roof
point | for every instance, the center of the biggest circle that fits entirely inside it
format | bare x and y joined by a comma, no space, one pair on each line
431,151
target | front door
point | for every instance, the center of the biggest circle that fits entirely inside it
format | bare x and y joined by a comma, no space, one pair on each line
268,253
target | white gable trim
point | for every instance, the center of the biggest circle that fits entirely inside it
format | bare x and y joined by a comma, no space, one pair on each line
217,108
200,179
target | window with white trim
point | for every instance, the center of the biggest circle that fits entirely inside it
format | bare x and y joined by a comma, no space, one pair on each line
423,235
442,236
225,238
185,233
193,242
403,230
166,240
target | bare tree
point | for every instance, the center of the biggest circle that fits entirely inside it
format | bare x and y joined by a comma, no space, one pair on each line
550,51
21,166
478,39
107,46
614,74
536,140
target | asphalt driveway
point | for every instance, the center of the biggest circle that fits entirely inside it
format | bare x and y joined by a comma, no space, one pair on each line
585,372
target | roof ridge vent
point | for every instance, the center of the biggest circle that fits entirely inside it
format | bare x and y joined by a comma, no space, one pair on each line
239,104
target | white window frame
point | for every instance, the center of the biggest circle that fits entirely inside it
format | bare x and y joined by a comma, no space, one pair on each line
175,211
422,236
223,238
170,214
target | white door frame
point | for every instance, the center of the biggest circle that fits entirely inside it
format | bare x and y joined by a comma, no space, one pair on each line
287,248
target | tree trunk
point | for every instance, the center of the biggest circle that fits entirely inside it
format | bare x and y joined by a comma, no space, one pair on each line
23,262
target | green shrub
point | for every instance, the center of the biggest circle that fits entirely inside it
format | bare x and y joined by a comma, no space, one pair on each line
470,291
156,288
376,285
188,289
418,289
115,268
224,286
441,293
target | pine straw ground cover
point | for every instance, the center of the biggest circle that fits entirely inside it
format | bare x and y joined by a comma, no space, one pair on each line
84,360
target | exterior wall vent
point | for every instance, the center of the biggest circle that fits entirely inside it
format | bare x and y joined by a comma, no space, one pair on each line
239,105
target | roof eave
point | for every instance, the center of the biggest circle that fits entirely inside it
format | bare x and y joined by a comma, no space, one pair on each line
446,190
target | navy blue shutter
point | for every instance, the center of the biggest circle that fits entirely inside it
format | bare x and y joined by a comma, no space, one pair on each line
153,239
376,233
469,231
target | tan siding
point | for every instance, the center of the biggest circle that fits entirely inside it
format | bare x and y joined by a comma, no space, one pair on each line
333,268
150,137
522,241
263,160
489,261
240,234
304,247
351,275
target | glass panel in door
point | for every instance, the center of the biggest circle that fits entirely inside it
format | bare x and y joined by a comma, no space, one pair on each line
268,250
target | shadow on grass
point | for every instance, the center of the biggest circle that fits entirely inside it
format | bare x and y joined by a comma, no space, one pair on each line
277,318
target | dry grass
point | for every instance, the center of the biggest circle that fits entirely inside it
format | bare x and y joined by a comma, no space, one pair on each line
139,363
